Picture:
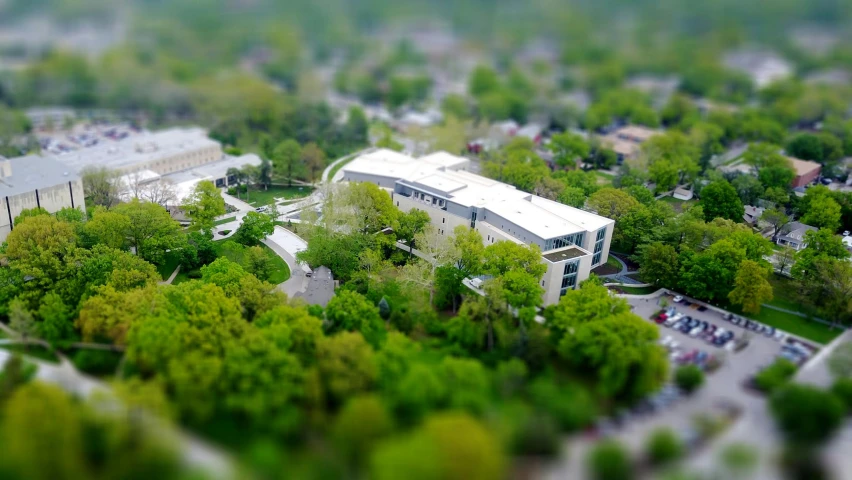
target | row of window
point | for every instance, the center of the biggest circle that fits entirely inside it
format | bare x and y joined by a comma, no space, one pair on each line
428,198
571,268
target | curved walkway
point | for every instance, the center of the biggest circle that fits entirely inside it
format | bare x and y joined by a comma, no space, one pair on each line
344,159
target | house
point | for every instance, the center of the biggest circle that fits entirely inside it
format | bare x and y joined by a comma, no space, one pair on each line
793,235
806,171
626,141
847,242
34,182
752,214
762,66
683,193
572,241
531,131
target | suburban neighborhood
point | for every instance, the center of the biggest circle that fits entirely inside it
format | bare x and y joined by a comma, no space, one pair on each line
575,240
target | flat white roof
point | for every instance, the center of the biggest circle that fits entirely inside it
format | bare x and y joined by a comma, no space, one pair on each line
138,149
388,163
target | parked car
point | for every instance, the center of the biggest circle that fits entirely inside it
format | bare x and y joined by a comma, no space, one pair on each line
696,331
678,298
769,331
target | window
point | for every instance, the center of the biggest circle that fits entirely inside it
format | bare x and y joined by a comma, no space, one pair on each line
570,268
596,259
444,220
569,281
601,234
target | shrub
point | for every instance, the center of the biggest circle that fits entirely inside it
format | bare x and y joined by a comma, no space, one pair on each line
774,376
664,446
225,232
232,190
194,274
688,378
842,389
609,460
806,415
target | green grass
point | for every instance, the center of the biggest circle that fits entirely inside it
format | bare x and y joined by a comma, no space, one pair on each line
259,197
796,325
280,269
604,178
224,221
337,167
167,268
784,294
613,262
35,351
639,290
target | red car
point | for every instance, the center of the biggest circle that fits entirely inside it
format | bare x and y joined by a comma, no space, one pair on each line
661,318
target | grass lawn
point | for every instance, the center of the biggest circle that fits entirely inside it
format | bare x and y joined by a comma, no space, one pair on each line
613,262
224,221
35,351
784,294
638,290
604,178
797,325
259,197
337,167
167,268
280,269
678,205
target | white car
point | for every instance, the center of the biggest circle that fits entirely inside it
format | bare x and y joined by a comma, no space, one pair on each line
696,331
678,299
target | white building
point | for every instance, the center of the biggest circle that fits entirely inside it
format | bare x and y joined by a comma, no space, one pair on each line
162,152
183,182
33,182
762,66
572,241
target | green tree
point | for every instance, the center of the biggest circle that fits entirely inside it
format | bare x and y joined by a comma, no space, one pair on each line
55,319
314,160
840,361
806,415
451,446
21,320
775,376
411,224
567,147
361,424
720,200
204,204
454,105
350,311
257,262
469,250
608,460
346,365
711,274
659,263
151,231
664,447
503,257
483,80
611,203
689,378
776,219
823,212
751,287
287,160
254,228
107,228
101,185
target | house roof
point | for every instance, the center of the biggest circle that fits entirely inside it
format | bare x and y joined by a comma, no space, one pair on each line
803,167
797,231
752,213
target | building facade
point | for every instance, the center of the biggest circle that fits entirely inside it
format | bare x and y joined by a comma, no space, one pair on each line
572,241
35,182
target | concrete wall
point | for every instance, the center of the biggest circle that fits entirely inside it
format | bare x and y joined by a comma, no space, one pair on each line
444,221
552,280
382,181
802,180
52,199
511,228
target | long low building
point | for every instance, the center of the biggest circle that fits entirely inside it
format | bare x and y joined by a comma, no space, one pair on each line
35,182
572,241
183,182
163,152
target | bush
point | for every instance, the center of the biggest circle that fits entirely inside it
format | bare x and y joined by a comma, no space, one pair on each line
96,362
664,447
194,274
609,460
225,232
806,415
842,389
232,190
774,376
688,378
537,435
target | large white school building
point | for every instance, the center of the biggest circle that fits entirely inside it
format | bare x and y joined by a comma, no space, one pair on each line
572,241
